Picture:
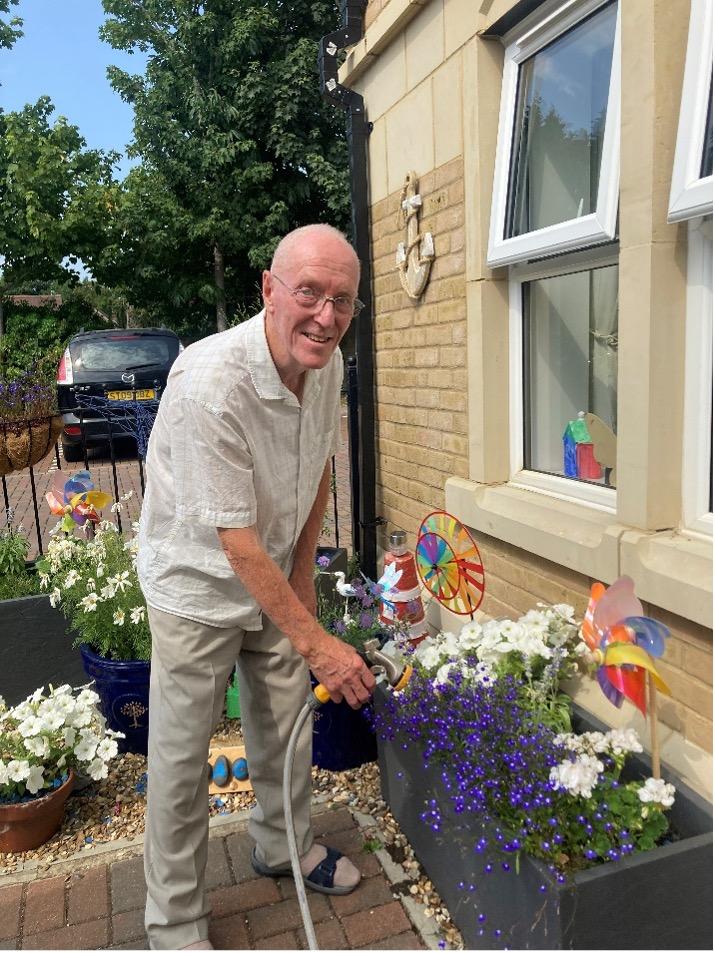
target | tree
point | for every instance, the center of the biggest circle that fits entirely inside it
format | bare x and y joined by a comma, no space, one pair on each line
10,29
229,119
54,195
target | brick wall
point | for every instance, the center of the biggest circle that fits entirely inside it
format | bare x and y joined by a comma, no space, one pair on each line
421,355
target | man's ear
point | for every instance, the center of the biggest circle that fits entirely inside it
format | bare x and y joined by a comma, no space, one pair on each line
267,289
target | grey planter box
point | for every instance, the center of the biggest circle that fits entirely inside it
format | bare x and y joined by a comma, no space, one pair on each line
325,585
35,648
659,899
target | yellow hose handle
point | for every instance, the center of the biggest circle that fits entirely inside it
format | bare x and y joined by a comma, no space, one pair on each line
404,679
321,693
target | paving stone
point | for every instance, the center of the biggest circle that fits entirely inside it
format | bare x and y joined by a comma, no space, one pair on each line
329,935
285,915
239,847
128,884
44,905
403,941
348,841
366,863
229,933
10,898
10,944
81,936
218,872
88,895
128,925
372,892
332,821
370,926
245,896
131,945
284,941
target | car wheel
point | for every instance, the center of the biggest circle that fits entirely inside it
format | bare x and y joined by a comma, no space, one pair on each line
72,452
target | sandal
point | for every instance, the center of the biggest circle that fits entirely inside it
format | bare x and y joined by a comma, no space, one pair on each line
320,878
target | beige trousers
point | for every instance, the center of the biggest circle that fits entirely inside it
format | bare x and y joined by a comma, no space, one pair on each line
190,666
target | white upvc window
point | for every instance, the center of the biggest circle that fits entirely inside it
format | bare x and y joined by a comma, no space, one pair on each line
564,368
698,403
557,160
691,191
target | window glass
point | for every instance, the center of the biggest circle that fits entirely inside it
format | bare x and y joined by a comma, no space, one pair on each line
706,167
560,119
570,374
110,354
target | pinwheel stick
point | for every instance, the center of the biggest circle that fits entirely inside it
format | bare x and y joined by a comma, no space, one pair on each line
653,713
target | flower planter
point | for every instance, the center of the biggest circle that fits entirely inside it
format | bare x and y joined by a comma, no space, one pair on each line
658,899
35,648
28,824
123,688
24,443
342,736
338,562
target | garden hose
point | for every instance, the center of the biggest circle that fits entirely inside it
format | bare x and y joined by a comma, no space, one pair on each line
397,675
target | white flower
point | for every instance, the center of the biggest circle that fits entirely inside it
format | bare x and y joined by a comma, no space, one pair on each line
89,603
137,614
39,746
106,749
118,617
4,773
30,726
121,582
98,769
623,740
470,636
91,585
71,578
55,597
85,749
44,580
87,697
18,770
69,736
99,571
35,779
107,592
578,777
656,791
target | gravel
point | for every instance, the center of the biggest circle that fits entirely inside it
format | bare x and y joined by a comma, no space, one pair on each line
113,809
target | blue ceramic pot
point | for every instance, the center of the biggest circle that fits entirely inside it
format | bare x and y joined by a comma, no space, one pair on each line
342,737
123,689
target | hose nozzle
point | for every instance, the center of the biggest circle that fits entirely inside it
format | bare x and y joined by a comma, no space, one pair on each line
397,673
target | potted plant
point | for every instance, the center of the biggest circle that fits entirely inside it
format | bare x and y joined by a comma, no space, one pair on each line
343,737
42,741
94,583
535,836
29,422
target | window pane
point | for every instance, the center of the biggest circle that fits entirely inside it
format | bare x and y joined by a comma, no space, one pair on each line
560,117
570,368
706,167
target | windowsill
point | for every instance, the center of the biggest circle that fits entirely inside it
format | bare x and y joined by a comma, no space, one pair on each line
671,570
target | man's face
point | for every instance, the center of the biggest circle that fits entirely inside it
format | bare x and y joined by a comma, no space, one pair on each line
303,337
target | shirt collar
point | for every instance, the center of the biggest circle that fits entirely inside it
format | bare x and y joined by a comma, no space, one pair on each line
264,373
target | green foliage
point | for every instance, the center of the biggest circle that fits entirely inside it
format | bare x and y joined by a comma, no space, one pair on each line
94,582
238,148
37,336
53,196
372,845
15,578
9,29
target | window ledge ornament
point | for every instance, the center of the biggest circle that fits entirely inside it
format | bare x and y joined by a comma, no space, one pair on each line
415,255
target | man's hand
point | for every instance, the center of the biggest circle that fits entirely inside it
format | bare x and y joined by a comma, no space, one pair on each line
341,670
303,585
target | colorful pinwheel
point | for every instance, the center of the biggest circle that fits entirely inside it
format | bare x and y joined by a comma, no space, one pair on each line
449,563
76,500
624,642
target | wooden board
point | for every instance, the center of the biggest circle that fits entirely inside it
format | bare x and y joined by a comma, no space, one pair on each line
231,752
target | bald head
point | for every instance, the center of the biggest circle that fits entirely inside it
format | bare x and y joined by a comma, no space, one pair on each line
306,239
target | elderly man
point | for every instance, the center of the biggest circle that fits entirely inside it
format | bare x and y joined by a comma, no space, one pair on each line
237,485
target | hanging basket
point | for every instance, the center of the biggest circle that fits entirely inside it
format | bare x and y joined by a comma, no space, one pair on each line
28,824
23,443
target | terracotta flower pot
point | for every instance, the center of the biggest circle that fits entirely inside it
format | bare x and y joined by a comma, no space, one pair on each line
28,824
24,443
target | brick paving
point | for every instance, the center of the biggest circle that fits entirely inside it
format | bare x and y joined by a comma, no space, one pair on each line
101,906
19,492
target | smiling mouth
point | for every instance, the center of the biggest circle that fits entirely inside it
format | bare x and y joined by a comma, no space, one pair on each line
317,339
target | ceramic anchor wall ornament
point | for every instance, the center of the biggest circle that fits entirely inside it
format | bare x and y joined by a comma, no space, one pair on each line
415,255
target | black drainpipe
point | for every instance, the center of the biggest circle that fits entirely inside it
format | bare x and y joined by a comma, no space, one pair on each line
361,369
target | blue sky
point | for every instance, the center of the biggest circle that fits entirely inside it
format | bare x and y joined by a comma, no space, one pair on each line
61,56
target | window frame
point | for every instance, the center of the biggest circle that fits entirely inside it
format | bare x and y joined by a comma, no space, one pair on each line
560,487
596,227
697,418
690,194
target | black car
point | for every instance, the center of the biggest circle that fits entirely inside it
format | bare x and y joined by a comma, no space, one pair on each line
116,366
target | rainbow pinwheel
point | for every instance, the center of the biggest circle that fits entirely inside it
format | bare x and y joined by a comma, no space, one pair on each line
624,642
449,563
76,500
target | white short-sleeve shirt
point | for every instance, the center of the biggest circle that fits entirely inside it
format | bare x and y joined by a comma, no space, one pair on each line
231,447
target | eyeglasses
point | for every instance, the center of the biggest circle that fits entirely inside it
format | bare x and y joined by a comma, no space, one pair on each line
309,299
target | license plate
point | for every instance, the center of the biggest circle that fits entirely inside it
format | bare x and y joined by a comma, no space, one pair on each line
147,394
